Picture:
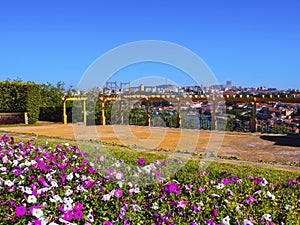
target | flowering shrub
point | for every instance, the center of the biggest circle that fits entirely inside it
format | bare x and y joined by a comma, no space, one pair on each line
58,185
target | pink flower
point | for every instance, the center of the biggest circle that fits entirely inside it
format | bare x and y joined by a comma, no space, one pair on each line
141,161
37,222
107,223
67,216
91,170
20,210
201,189
78,215
101,158
118,193
78,207
214,213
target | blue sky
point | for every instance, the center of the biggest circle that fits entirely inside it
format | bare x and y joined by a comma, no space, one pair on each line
252,43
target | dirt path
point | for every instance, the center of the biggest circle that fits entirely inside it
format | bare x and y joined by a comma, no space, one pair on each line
245,146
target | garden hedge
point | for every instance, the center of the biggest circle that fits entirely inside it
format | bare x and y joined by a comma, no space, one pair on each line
20,97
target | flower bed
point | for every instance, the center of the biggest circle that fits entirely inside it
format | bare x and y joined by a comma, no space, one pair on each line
44,184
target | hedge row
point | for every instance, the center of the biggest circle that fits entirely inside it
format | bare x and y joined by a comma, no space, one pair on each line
20,97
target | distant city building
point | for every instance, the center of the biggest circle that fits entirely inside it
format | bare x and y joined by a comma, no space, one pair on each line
228,84
142,87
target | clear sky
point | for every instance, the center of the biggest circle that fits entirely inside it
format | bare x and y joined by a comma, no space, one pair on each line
252,43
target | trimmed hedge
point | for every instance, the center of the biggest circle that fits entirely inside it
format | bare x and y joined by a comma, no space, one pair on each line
20,97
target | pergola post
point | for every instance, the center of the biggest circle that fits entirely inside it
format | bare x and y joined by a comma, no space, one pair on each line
64,111
147,113
84,112
178,121
213,115
103,119
253,121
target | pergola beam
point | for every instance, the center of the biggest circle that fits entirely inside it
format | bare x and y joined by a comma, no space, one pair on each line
194,98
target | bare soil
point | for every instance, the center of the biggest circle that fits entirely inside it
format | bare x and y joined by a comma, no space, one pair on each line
245,146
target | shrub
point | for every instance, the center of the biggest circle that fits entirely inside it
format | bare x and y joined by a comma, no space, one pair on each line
20,97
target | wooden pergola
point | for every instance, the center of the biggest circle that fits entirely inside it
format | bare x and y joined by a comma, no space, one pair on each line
65,99
195,98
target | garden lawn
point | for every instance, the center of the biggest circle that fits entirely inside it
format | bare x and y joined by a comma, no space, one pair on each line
64,184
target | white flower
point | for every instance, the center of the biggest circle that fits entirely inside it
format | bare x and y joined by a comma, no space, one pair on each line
66,222
37,213
155,206
147,169
21,188
26,169
263,183
28,190
289,207
120,183
119,176
238,210
68,200
257,192
188,187
136,190
219,186
215,195
27,163
70,176
269,195
31,199
56,198
200,204
136,208
42,190
247,222
67,144
267,217
68,207
54,183
81,188
83,177
90,217
225,221
44,220
9,183
49,176
139,169
117,164
32,162
106,197
53,223
68,192
15,162
5,159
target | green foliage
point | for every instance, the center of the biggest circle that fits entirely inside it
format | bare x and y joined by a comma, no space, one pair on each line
19,96
137,116
51,102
